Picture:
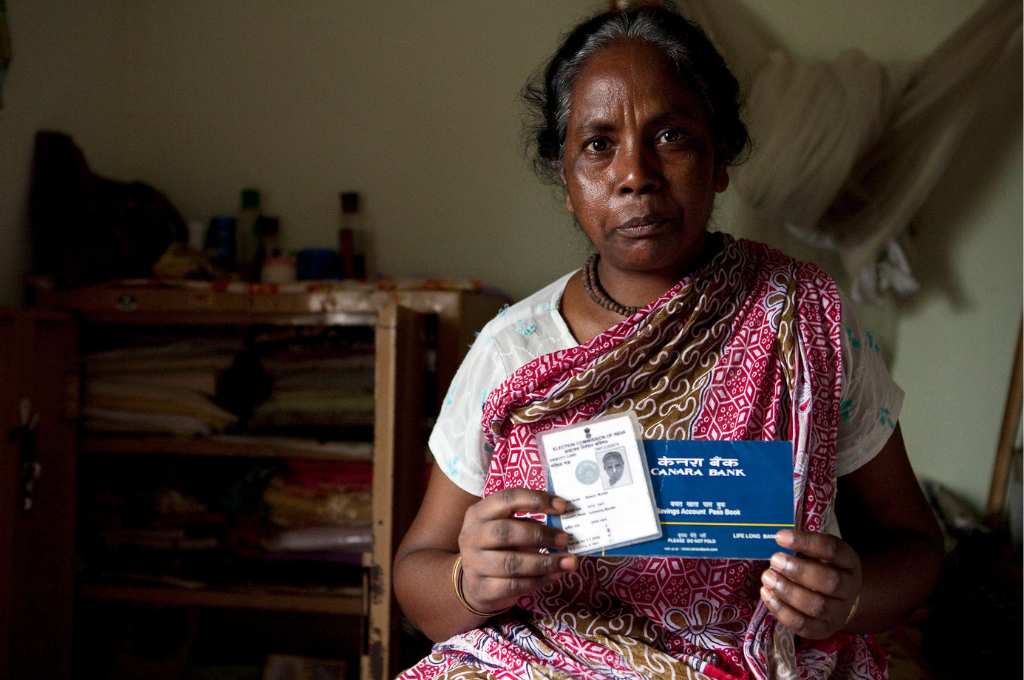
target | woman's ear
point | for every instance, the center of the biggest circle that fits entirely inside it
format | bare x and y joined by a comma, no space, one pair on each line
721,179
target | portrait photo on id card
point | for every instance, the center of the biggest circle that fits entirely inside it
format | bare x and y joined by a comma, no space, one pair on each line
614,468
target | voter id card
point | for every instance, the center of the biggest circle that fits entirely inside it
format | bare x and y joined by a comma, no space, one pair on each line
600,468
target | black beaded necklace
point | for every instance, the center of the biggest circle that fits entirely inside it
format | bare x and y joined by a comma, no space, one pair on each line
592,285
713,243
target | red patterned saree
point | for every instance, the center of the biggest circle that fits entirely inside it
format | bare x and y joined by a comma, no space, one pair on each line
747,347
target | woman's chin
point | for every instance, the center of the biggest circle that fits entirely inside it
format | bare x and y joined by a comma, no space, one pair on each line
654,258
665,251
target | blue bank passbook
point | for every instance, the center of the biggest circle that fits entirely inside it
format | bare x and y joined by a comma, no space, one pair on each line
718,499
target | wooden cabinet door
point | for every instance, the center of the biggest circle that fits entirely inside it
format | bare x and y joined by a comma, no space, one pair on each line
38,384
398,465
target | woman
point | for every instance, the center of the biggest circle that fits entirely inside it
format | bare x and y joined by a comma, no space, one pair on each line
703,337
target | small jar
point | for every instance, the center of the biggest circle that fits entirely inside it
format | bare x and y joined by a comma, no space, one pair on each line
278,269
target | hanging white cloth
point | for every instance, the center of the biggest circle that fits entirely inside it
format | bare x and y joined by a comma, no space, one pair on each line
846,152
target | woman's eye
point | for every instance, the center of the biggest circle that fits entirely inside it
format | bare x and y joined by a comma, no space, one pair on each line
672,136
598,145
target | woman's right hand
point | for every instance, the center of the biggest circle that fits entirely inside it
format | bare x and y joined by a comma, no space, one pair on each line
501,559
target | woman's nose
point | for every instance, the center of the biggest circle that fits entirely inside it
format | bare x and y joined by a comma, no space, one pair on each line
637,170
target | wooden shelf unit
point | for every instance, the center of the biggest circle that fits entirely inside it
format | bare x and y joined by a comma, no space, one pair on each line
216,446
460,313
399,438
347,604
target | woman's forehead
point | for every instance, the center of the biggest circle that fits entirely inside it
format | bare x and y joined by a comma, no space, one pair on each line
630,78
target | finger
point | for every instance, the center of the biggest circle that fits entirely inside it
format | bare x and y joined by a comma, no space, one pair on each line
825,579
824,547
510,501
800,624
807,602
515,564
521,533
501,589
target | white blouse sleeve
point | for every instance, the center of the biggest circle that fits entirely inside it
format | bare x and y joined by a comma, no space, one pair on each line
869,407
457,441
871,401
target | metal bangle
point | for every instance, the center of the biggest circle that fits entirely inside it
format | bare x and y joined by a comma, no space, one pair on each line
457,589
853,610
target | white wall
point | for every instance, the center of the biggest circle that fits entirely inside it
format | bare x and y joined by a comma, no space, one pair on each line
954,342
415,105
66,75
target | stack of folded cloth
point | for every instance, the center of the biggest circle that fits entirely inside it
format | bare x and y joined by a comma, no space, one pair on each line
157,390
317,391
177,522
161,535
320,510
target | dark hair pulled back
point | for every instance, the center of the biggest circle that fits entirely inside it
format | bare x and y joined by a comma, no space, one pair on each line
699,65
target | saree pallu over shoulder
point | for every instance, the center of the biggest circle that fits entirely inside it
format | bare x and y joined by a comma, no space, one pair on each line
747,347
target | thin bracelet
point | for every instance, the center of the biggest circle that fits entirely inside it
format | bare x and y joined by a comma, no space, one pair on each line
853,610
457,588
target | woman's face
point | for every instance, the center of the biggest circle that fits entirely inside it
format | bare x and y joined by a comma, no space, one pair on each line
639,164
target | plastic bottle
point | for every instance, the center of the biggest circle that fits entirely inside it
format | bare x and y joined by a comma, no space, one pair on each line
347,235
220,242
196,234
245,233
268,230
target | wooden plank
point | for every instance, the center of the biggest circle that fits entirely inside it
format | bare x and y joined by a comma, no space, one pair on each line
447,306
142,299
397,474
348,604
8,483
477,310
319,302
41,545
459,316
996,508
375,661
144,305
186,318
219,446
10,313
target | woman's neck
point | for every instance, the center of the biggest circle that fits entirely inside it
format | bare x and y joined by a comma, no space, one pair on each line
638,288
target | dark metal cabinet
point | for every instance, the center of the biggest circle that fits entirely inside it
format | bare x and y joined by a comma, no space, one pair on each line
38,412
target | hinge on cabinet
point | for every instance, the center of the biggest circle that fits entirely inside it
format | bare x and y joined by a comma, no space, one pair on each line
376,655
366,591
376,584
23,436
72,395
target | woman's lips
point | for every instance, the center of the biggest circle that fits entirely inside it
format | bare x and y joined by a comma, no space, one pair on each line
641,227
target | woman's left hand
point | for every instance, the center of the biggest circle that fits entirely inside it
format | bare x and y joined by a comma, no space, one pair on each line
814,592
